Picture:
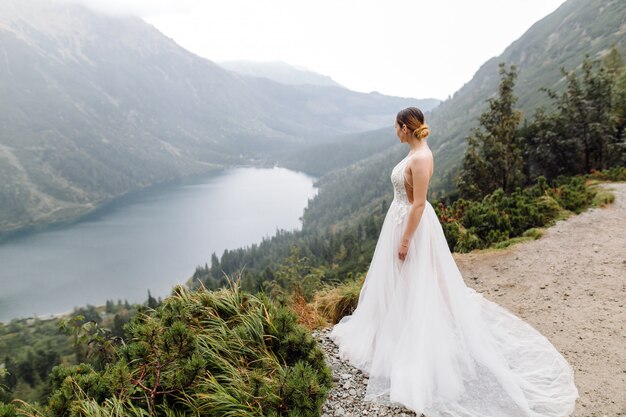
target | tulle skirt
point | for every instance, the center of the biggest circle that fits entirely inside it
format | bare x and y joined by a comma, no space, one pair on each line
436,346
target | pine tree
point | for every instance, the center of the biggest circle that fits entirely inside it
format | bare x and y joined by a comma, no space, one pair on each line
614,63
585,114
548,151
152,302
494,157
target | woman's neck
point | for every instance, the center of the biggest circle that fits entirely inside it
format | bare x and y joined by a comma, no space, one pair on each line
417,146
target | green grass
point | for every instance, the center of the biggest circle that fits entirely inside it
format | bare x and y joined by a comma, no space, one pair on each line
603,198
530,234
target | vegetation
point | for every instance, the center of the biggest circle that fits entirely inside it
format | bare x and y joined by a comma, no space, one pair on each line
335,301
582,134
212,353
494,157
585,132
32,347
581,137
498,217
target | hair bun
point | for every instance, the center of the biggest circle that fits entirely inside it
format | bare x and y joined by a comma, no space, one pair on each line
421,132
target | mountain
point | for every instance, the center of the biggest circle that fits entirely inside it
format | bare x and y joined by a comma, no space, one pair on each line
95,106
561,39
279,71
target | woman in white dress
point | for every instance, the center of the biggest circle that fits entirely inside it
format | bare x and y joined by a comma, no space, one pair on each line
426,340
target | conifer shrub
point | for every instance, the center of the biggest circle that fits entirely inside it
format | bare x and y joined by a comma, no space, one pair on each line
572,193
467,240
617,173
7,410
209,353
500,217
549,207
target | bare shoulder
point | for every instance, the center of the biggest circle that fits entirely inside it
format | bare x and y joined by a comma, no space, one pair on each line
421,161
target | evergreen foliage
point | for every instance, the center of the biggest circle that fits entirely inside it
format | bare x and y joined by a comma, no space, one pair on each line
470,224
494,156
32,347
212,353
585,132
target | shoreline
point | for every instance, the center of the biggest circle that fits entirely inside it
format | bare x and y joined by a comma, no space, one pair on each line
103,206
99,208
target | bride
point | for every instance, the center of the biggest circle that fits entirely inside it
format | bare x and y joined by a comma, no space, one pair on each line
426,340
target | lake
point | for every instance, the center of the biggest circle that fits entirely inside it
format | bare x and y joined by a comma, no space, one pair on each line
152,240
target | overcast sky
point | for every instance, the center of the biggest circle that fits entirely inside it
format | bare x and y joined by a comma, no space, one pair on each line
398,47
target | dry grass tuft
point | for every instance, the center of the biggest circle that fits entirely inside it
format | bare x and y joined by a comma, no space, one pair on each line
334,302
308,315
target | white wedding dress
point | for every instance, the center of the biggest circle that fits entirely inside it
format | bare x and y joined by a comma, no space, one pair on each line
437,347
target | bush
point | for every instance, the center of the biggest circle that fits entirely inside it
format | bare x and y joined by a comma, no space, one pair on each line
549,207
617,173
468,241
499,217
212,353
7,410
572,193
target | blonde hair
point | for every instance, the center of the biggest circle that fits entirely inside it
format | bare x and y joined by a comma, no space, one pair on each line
413,118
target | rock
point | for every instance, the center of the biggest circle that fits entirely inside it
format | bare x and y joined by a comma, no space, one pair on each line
346,397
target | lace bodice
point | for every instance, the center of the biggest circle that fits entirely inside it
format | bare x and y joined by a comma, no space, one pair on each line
400,204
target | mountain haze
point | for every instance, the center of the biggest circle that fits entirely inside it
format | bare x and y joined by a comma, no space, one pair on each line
280,72
94,106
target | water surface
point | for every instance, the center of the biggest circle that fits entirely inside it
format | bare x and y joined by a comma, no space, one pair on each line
153,240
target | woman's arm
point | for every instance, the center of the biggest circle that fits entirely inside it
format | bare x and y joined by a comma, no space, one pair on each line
420,173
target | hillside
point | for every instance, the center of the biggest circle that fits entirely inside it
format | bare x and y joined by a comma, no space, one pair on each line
94,106
561,39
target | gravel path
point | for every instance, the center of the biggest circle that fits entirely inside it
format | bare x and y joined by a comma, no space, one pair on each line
570,285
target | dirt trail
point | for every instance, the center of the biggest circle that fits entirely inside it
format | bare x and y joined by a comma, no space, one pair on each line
570,284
